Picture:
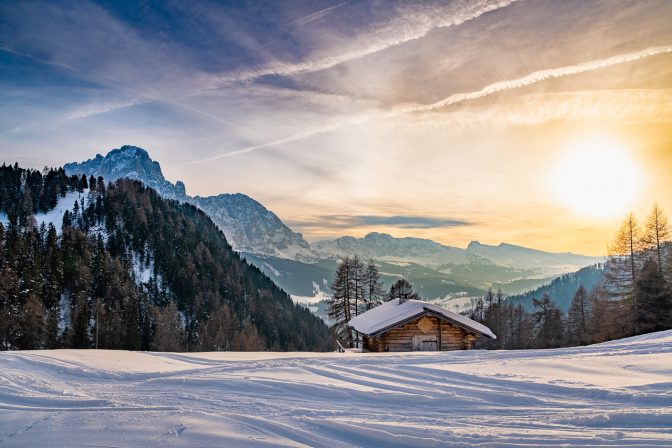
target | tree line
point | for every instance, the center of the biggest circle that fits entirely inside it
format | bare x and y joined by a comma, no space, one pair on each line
633,297
130,270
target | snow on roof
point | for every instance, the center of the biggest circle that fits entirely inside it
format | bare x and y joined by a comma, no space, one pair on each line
392,313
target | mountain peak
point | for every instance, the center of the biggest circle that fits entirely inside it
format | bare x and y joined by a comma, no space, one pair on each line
130,162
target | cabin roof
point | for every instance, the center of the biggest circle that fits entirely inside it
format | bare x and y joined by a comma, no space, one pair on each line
392,314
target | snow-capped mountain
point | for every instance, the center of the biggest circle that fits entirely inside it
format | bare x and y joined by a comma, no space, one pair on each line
129,162
247,224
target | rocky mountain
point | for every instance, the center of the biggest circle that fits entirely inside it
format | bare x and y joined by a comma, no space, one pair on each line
129,162
251,227
247,225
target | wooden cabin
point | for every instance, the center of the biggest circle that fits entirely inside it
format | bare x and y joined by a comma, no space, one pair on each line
414,325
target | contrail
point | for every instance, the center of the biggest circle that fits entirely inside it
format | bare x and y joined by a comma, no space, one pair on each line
534,78
493,88
317,15
376,40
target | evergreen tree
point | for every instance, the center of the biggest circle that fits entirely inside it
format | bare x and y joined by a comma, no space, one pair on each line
359,283
655,300
578,317
402,290
373,288
341,304
548,324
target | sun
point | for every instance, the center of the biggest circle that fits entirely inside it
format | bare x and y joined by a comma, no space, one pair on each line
597,177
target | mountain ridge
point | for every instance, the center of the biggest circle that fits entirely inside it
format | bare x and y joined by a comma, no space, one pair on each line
259,231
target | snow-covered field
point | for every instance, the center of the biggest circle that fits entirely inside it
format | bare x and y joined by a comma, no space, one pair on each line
618,393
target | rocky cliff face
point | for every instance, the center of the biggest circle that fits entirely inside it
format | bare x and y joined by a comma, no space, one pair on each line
129,162
253,228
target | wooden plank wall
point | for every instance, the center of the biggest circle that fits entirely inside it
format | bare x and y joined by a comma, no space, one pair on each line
400,339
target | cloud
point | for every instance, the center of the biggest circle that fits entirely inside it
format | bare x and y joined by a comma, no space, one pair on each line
408,25
533,78
499,86
396,221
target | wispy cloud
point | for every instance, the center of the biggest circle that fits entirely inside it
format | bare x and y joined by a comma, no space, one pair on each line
533,78
395,221
409,25
499,86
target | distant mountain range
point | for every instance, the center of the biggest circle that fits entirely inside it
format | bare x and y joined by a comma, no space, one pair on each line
305,270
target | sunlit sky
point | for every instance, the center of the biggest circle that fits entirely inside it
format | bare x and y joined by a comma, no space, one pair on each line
540,123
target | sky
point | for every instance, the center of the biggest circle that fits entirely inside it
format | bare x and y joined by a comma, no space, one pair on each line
541,123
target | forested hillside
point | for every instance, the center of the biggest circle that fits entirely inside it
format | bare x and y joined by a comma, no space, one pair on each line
562,288
131,270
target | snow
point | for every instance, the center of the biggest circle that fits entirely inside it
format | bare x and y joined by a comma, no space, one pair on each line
55,215
142,271
317,297
612,394
392,312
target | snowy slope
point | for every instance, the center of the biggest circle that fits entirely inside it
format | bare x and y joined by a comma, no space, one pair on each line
55,215
613,394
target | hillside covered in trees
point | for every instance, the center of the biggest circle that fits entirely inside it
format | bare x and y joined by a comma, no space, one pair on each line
630,295
562,288
130,270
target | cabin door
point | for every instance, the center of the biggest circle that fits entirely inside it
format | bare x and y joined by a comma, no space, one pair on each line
425,343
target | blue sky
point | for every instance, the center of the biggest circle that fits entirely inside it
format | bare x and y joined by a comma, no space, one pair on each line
430,119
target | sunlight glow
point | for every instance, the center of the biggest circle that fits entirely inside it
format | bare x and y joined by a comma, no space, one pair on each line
597,177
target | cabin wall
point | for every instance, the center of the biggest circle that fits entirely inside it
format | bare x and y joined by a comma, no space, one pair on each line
400,339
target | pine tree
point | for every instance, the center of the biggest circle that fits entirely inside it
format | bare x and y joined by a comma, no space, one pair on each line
548,323
402,290
341,304
655,300
578,317
373,290
358,276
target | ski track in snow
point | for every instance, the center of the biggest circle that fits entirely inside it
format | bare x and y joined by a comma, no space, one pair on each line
612,394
